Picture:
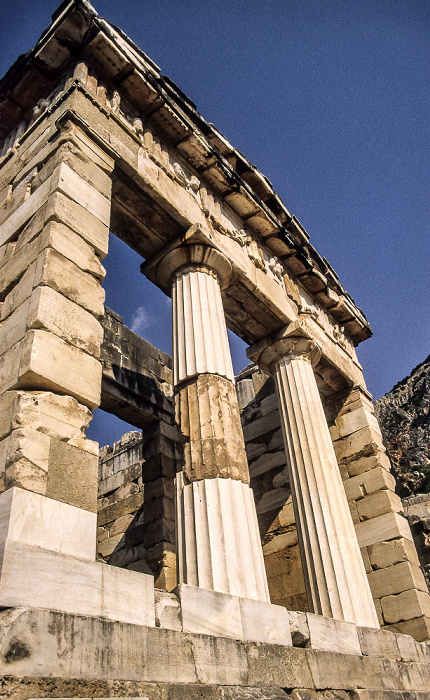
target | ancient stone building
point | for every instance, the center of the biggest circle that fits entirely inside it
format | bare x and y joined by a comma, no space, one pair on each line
95,139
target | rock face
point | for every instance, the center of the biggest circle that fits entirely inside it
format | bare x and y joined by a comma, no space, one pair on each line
404,417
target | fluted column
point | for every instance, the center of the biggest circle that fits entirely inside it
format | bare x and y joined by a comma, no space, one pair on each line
219,545
335,577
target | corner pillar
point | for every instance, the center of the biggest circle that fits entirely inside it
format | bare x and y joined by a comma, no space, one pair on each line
335,577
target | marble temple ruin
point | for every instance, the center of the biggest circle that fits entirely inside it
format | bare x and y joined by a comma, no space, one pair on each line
183,587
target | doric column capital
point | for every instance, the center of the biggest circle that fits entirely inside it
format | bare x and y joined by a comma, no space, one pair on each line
284,346
194,250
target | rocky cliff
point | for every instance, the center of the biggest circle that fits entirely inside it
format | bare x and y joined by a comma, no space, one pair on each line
404,417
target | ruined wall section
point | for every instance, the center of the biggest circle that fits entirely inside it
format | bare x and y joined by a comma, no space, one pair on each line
136,528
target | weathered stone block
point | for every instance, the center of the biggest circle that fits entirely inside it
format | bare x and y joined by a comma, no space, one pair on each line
379,503
365,442
53,312
48,362
167,611
363,464
405,606
59,273
299,628
396,579
327,634
72,475
380,643
375,479
263,622
383,554
209,612
384,527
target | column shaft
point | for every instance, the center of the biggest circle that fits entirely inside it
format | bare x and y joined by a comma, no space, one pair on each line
334,572
219,544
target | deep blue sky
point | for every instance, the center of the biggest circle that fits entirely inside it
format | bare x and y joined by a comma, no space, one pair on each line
330,99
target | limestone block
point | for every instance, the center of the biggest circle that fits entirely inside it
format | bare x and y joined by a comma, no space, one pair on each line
12,329
383,554
405,606
370,481
51,580
410,650
167,611
18,293
281,542
37,521
54,415
48,362
75,217
72,247
72,475
209,612
28,444
79,156
366,440
108,546
53,312
59,273
396,579
419,628
353,421
9,366
380,643
359,465
299,628
7,411
263,622
384,527
379,503
327,634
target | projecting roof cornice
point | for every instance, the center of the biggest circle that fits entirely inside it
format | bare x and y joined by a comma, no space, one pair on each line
78,33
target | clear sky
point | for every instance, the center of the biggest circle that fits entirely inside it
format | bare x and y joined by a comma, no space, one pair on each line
330,99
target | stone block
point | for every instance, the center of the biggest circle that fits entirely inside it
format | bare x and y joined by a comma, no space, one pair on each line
263,622
29,445
61,275
219,660
72,247
7,411
378,643
364,464
72,475
366,440
299,628
48,362
384,527
419,628
384,554
396,579
280,543
375,479
75,217
378,504
167,611
53,312
37,521
266,462
51,580
405,606
350,422
280,666
410,650
327,634
118,510
209,612
12,329
19,293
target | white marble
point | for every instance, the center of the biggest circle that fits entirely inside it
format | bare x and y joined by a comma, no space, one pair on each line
38,578
223,615
219,545
333,635
34,520
337,584
200,342
265,623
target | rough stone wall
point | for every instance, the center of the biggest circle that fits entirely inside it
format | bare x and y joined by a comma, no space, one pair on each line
136,495
404,416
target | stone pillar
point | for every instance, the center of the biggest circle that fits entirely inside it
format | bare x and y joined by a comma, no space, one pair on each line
397,583
54,230
219,545
335,577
